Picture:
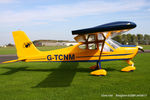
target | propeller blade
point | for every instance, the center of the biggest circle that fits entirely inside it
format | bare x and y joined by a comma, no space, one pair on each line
140,48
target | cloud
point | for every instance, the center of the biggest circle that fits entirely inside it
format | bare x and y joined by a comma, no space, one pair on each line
148,9
66,11
7,1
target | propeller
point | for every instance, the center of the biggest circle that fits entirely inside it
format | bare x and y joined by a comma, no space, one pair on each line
140,48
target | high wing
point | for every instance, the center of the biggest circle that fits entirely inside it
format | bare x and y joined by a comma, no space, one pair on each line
108,30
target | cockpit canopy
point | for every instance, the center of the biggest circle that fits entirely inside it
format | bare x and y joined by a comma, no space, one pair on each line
95,37
94,41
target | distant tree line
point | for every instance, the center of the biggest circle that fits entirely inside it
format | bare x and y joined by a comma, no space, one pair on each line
130,39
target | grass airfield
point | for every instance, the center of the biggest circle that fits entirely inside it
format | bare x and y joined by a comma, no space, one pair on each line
72,81
12,50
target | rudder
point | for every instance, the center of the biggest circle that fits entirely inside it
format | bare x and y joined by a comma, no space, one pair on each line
24,45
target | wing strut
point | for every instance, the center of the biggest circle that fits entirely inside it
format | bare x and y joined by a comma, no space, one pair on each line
103,42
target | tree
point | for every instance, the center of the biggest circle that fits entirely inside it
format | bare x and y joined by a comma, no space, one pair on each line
134,40
10,45
149,39
124,39
146,39
129,37
118,38
140,38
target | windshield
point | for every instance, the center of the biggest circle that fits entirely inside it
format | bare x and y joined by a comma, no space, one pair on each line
116,42
113,43
106,48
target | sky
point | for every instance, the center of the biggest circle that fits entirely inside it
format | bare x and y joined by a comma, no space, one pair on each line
55,19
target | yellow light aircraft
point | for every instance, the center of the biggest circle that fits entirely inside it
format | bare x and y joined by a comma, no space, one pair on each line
94,45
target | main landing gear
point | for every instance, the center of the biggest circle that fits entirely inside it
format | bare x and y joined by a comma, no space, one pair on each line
98,70
102,72
129,68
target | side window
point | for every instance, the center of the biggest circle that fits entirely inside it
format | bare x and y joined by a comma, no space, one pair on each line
100,37
100,46
91,38
106,48
82,46
92,46
80,38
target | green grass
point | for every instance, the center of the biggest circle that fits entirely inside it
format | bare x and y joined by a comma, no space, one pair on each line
7,50
72,81
12,50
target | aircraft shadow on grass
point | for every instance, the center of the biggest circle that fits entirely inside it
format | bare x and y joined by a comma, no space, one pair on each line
62,77
59,77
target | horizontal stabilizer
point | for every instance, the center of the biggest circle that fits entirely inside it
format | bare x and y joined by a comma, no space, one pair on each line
11,61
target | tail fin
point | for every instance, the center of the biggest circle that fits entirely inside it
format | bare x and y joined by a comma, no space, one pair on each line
24,45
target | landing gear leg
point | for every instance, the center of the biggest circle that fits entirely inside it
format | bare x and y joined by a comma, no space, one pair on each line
95,67
129,68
